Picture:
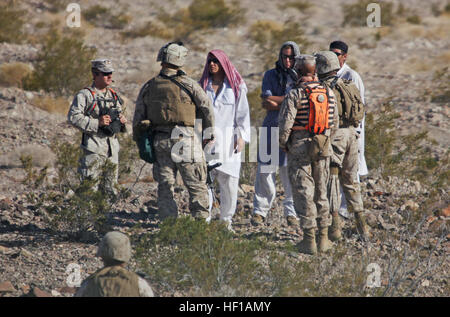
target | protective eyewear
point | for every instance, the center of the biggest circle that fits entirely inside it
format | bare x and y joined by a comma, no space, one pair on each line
291,57
214,60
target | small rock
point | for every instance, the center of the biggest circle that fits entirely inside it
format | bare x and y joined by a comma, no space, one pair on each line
5,203
410,205
40,293
371,220
247,188
6,287
445,212
425,283
25,288
26,253
67,290
3,250
55,293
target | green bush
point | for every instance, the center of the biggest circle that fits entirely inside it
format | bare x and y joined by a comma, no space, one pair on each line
202,259
63,65
11,23
356,14
269,35
393,154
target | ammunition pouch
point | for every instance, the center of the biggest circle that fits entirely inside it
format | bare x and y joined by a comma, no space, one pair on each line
320,147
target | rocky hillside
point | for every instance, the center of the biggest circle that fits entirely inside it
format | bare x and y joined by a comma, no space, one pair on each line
405,62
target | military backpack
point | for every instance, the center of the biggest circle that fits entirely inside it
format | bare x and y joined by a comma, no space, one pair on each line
351,107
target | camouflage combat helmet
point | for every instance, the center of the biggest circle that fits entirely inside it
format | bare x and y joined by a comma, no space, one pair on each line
173,53
326,62
115,246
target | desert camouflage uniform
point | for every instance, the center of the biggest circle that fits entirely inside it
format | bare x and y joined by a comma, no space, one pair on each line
345,156
174,153
96,146
309,178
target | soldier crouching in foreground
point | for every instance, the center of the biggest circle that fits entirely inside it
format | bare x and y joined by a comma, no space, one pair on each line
169,105
113,280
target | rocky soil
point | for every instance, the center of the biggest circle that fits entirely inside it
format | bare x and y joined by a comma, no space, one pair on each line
402,64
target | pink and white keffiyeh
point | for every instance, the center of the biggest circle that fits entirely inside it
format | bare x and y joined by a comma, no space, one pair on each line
233,76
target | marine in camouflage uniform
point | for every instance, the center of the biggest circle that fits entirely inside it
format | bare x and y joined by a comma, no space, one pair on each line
344,161
88,113
308,175
170,112
113,280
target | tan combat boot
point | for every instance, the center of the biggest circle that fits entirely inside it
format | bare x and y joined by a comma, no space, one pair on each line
308,244
324,244
334,231
361,226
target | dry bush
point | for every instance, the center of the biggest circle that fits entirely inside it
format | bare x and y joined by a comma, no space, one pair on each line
50,104
12,74
11,23
151,28
300,5
199,15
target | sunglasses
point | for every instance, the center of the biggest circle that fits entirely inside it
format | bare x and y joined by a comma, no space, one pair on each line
337,53
214,60
291,57
106,74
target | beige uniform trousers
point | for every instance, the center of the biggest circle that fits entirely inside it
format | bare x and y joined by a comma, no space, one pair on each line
309,180
193,174
345,155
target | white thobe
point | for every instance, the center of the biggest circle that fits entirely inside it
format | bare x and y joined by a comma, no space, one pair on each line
232,118
347,73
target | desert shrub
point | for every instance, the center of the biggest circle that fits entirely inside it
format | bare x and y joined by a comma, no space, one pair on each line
393,154
199,15
103,17
12,74
214,13
63,65
11,23
55,6
33,177
414,19
150,29
128,155
356,14
198,258
300,5
442,92
53,105
193,258
269,35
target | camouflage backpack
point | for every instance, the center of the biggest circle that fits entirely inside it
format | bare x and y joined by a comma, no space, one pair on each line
351,107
